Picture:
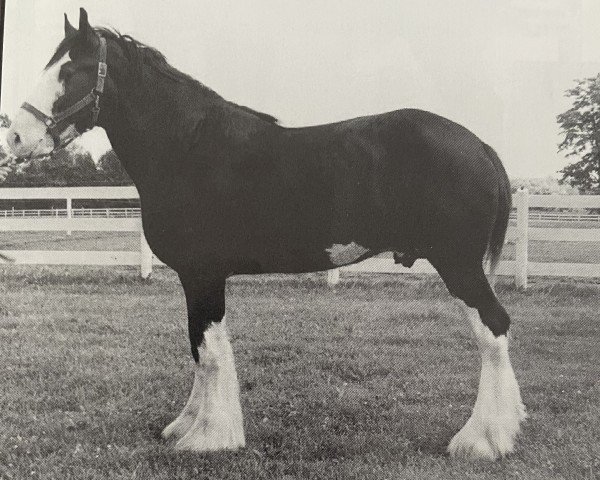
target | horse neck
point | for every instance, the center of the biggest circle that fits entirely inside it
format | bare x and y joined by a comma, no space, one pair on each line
150,127
172,134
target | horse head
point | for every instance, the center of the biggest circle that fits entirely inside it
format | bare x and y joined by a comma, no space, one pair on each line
66,101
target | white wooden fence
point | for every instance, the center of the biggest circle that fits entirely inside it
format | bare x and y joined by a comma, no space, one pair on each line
520,268
128,212
143,257
520,234
557,217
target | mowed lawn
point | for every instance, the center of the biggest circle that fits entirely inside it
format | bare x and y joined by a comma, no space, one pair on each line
366,381
127,241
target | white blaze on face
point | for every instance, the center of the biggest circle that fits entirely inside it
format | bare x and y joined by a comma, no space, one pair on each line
344,254
49,88
28,135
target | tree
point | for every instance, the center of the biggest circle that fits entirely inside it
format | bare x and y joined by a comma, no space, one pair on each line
65,168
69,167
111,169
581,127
542,186
3,153
5,121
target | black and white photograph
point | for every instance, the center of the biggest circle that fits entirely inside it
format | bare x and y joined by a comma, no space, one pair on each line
284,239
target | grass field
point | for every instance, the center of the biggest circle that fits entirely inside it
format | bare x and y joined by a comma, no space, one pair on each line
367,381
127,241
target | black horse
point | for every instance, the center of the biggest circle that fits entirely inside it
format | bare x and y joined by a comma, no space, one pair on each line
226,190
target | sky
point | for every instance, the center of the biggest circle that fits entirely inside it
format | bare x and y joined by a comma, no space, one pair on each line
499,68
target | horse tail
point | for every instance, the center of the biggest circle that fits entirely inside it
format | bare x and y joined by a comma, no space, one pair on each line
498,234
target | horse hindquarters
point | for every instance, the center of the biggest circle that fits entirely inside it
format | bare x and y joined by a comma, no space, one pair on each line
212,417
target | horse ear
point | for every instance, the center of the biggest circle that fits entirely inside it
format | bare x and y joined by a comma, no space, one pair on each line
84,25
85,30
70,30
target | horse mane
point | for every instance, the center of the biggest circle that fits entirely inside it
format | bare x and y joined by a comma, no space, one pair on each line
140,54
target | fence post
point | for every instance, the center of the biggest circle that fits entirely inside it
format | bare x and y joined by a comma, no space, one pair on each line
522,238
333,277
145,257
69,212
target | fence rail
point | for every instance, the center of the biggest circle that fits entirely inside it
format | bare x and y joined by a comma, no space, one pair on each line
135,212
128,212
559,217
128,220
75,193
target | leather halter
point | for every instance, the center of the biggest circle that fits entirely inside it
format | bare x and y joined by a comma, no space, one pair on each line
57,124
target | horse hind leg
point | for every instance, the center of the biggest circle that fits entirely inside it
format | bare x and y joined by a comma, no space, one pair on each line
491,430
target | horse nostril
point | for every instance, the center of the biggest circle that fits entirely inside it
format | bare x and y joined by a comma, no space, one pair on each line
17,139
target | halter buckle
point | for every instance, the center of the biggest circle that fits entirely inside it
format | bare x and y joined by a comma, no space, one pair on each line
96,107
102,70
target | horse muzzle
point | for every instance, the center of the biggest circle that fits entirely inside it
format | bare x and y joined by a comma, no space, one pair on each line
28,142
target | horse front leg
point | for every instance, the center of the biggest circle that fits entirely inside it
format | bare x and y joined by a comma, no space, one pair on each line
212,417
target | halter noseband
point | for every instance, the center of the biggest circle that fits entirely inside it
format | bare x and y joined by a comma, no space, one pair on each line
57,124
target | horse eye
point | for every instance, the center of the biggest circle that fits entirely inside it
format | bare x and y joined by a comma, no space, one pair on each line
67,72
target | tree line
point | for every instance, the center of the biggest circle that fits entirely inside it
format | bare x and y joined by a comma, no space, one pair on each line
69,168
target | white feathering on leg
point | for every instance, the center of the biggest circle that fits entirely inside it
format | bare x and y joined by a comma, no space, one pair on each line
494,424
212,418
179,427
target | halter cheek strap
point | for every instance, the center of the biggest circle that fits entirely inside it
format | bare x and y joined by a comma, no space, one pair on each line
57,124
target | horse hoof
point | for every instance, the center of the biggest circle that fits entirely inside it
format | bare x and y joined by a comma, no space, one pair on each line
477,440
193,442
472,445
177,428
